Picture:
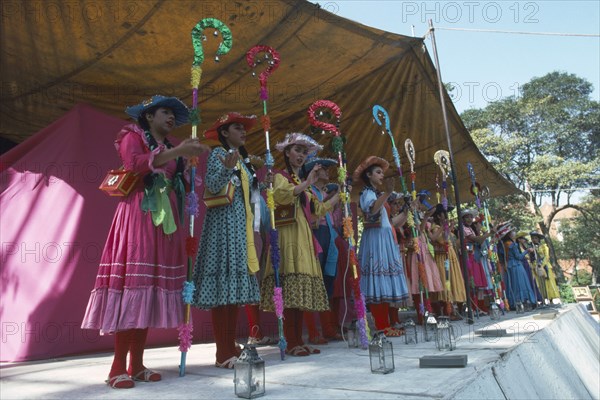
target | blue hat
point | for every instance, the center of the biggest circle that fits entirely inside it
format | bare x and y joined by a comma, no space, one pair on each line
179,109
426,194
309,165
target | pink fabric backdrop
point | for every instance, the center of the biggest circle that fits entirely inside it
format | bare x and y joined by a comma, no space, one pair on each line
52,231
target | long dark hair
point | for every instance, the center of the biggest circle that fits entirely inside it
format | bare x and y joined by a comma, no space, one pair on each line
142,121
367,181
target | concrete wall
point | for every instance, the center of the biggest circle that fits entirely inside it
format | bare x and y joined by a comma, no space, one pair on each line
561,361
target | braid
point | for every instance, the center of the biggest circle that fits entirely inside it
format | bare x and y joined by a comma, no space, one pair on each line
153,144
291,173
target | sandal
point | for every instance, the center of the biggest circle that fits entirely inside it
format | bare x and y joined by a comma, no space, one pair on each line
393,332
311,350
298,351
146,375
229,363
317,340
122,381
264,341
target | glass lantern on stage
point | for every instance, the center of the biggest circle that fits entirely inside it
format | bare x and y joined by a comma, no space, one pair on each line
520,307
494,311
353,334
249,374
381,353
430,326
410,332
444,335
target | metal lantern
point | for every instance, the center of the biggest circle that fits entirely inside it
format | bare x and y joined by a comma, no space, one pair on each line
353,335
430,327
520,307
444,335
381,354
249,374
410,334
494,311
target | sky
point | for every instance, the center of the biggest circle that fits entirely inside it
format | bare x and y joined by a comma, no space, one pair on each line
482,66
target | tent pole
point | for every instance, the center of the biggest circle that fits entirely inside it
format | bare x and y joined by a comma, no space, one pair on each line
461,235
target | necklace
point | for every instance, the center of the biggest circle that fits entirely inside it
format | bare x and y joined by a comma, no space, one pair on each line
295,178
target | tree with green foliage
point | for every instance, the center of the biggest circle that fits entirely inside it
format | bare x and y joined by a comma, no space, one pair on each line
546,141
580,241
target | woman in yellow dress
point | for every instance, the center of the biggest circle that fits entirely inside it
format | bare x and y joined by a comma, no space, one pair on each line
299,270
447,261
543,253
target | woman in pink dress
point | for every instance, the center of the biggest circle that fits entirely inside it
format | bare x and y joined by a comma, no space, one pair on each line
142,268
477,277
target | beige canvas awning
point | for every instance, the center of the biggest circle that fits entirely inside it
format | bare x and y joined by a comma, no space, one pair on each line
111,54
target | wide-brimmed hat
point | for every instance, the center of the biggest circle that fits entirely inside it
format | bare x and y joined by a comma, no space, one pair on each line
503,229
301,139
535,233
468,211
423,195
371,160
230,118
522,234
310,164
179,109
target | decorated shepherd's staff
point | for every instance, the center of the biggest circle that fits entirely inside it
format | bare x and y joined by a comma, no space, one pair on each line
272,60
441,158
413,220
379,111
337,144
192,207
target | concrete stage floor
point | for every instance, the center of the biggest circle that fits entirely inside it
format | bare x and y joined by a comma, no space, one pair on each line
552,353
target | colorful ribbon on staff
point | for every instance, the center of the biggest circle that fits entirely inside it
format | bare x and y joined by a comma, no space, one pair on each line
442,160
272,60
192,206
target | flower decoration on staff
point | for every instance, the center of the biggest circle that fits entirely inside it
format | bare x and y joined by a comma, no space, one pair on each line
192,207
378,112
413,218
273,60
319,109
410,153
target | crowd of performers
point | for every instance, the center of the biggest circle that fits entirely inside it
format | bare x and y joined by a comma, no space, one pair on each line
407,254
